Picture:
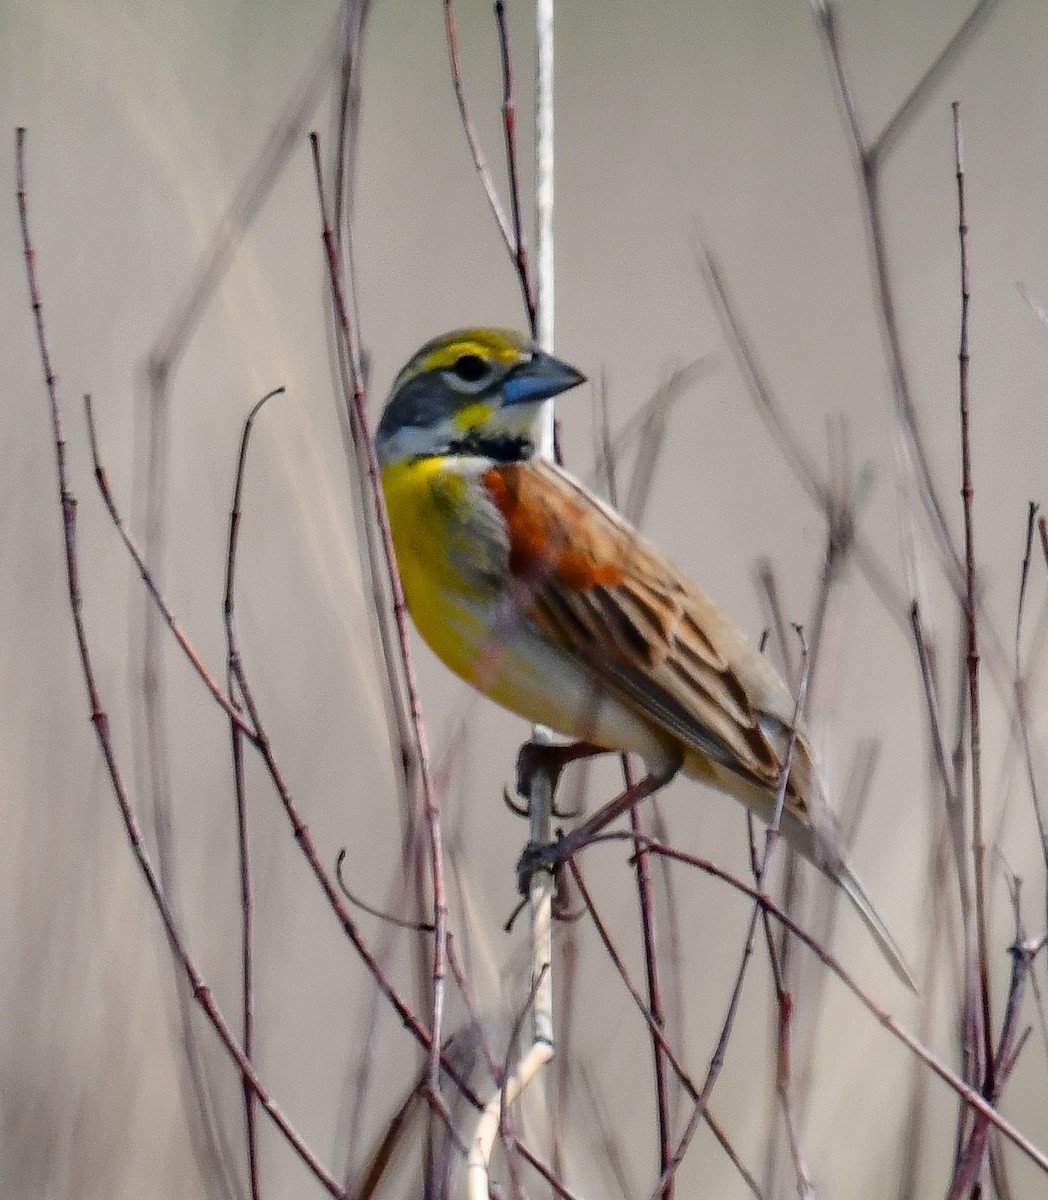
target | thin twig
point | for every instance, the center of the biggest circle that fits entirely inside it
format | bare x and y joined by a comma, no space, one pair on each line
972,656
970,1095
479,161
199,988
1009,1046
720,1048
206,677
240,796
254,731
355,900
370,471
651,443
903,117
869,178
1021,698
509,126
651,971
655,1028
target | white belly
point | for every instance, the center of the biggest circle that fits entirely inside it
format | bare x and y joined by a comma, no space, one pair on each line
521,671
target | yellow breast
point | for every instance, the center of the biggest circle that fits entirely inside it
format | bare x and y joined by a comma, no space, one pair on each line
441,518
427,503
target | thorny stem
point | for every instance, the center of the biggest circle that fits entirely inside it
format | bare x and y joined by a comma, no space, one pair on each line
967,493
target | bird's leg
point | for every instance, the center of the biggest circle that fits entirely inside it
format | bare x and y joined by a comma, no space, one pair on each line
553,854
534,757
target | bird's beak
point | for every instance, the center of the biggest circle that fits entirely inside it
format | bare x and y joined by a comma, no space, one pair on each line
540,378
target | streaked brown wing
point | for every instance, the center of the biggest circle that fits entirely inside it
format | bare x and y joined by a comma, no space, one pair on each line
639,626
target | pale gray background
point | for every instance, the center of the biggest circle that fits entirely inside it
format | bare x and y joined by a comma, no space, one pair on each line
143,119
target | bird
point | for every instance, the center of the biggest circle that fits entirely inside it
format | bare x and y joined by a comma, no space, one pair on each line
542,597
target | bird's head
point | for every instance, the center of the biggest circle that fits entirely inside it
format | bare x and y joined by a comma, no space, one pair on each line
473,391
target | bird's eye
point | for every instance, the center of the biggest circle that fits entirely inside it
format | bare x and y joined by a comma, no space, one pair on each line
470,368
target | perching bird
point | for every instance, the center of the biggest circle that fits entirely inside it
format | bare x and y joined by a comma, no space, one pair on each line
547,601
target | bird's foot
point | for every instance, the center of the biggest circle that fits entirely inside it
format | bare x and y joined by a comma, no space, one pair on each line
550,857
538,758
538,856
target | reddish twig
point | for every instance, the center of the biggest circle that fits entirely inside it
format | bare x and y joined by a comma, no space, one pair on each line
370,470
759,866
867,166
479,161
389,918
237,749
970,1095
1009,1047
198,986
651,443
655,1028
509,125
207,678
252,729
646,903
972,655
783,1086
1021,696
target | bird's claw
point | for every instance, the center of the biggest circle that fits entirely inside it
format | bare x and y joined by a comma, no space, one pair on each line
514,801
520,804
564,814
533,758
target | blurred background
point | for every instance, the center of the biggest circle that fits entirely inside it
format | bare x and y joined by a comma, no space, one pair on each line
677,123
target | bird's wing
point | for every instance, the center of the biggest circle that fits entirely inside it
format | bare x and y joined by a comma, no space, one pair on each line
641,628
647,634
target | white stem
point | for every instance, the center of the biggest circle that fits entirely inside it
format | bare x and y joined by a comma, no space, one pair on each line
543,273
541,798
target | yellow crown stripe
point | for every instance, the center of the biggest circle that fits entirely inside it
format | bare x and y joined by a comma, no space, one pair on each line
484,343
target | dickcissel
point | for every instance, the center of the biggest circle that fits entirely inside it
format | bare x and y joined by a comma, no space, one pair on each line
543,598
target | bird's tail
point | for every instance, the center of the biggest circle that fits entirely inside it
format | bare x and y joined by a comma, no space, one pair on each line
819,840
862,904
813,832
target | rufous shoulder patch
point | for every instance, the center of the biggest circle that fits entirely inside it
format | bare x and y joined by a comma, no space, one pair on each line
550,532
